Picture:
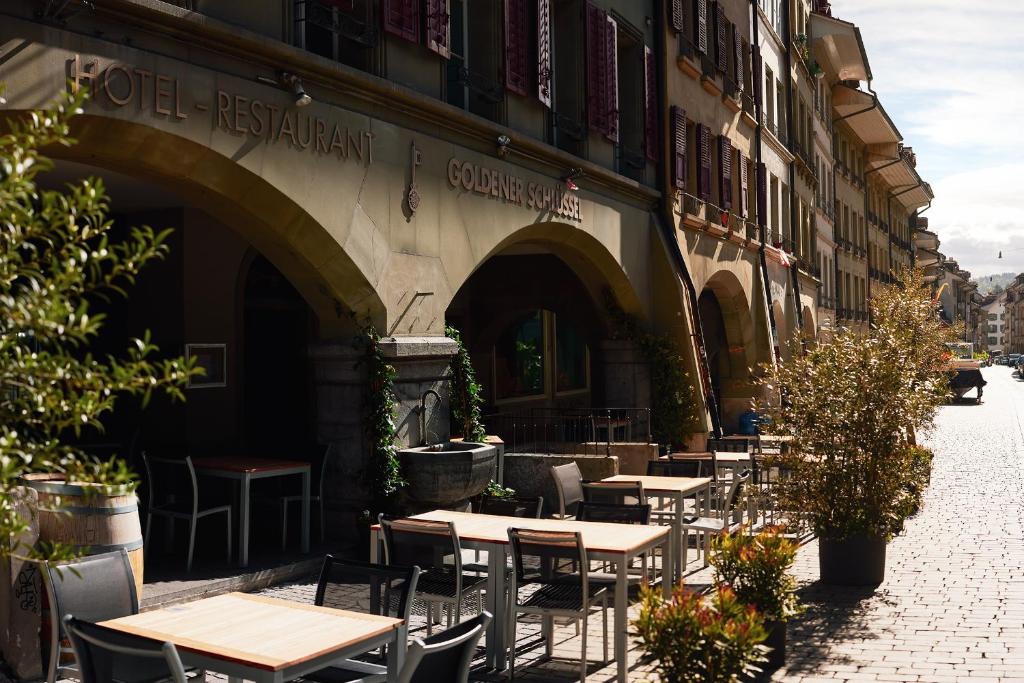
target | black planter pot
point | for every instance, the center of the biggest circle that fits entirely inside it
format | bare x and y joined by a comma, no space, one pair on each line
856,561
776,640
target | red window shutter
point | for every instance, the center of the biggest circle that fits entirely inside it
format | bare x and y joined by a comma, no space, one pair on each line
439,27
402,18
704,140
679,167
724,172
611,70
721,39
675,15
701,25
762,196
756,77
516,44
650,105
544,52
737,68
597,83
744,187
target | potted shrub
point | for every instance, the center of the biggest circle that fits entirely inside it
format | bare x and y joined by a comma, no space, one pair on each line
756,568
697,639
852,405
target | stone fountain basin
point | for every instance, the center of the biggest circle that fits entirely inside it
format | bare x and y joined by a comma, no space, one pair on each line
446,474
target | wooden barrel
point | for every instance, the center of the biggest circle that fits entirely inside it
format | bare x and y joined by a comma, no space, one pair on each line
89,519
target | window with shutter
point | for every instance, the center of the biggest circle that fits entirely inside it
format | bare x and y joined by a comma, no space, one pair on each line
755,58
650,105
597,69
737,67
611,70
762,196
721,38
516,44
724,172
704,140
402,18
544,52
744,187
700,25
439,29
679,167
675,18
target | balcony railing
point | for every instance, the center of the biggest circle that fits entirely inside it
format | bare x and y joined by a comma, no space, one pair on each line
693,206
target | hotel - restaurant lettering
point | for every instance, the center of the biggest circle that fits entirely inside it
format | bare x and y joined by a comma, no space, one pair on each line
506,187
123,85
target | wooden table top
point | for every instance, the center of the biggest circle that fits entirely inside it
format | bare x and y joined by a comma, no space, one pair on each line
668,484
597,536
262,632
721,456
242,463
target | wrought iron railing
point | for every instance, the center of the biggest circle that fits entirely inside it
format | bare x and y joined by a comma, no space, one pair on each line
573,431
341,24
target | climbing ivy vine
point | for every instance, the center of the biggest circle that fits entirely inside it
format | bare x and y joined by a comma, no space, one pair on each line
466,398
384,473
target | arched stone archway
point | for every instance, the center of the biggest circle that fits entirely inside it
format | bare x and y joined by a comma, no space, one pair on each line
810,329
728,328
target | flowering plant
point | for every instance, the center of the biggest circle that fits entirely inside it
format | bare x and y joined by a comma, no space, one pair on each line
756,568
696,640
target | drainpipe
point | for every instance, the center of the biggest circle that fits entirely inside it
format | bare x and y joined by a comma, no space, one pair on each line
794,268
761,254
667,223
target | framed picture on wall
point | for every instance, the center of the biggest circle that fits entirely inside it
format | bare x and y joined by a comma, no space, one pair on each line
213,359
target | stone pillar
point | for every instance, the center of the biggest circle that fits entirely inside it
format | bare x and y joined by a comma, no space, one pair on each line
422,364
21,598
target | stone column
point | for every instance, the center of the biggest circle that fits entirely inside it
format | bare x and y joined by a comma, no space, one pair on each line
21,597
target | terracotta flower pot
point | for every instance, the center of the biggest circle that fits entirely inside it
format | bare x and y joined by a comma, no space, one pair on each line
854,561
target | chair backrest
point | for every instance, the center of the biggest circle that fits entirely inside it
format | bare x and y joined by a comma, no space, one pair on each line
96,588
729,445
548,557
569,485
675,468
735,491
511,507
108,656
445,656
170,480
380,589
420,543
616,492
610,512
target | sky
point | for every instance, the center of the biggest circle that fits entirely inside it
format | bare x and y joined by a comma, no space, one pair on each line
950,73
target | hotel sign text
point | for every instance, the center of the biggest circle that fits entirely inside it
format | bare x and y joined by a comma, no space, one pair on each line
554,198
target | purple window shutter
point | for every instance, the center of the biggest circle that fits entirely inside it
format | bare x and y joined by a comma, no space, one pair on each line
762,196
744,187
597,84
737,69
544,52
675,17
700,10
439,27
721,39
724,172
516,43
679,168
611,70
756,76
650,105
704,140
402,19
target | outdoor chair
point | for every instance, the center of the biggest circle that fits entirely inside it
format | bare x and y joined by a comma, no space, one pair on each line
728,519
526,508
318,466
105,655
545,583
445,657
96,588
730,445
615,514
434,547
379,589
165,501
675,468
569,486
614,492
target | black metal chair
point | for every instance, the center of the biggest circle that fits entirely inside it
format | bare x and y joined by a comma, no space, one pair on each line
445,657
526,508
164,501
615,492
731,445
95,588
108,656
545,564
675,468
379,589
431,545
615,514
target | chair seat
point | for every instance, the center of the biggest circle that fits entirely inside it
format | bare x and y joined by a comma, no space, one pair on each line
609,578
561,597
710,524
442,583
350,672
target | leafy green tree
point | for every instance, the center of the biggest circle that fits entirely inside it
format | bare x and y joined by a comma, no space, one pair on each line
57,259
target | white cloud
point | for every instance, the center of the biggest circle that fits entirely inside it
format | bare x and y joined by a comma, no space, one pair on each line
949,73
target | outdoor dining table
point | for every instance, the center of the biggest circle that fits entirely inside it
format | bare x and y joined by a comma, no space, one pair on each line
616,543
676,488
244,469
266,640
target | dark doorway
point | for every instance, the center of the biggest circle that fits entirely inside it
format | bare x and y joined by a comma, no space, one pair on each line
716,344
277,404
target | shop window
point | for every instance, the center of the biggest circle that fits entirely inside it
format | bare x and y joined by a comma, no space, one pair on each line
571,359
519,358
474,67
568,76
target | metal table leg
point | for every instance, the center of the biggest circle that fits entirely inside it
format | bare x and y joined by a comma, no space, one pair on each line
305,511
496,562
621,627
243,520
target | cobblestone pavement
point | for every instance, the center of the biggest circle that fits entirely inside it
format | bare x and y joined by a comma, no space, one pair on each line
952,605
